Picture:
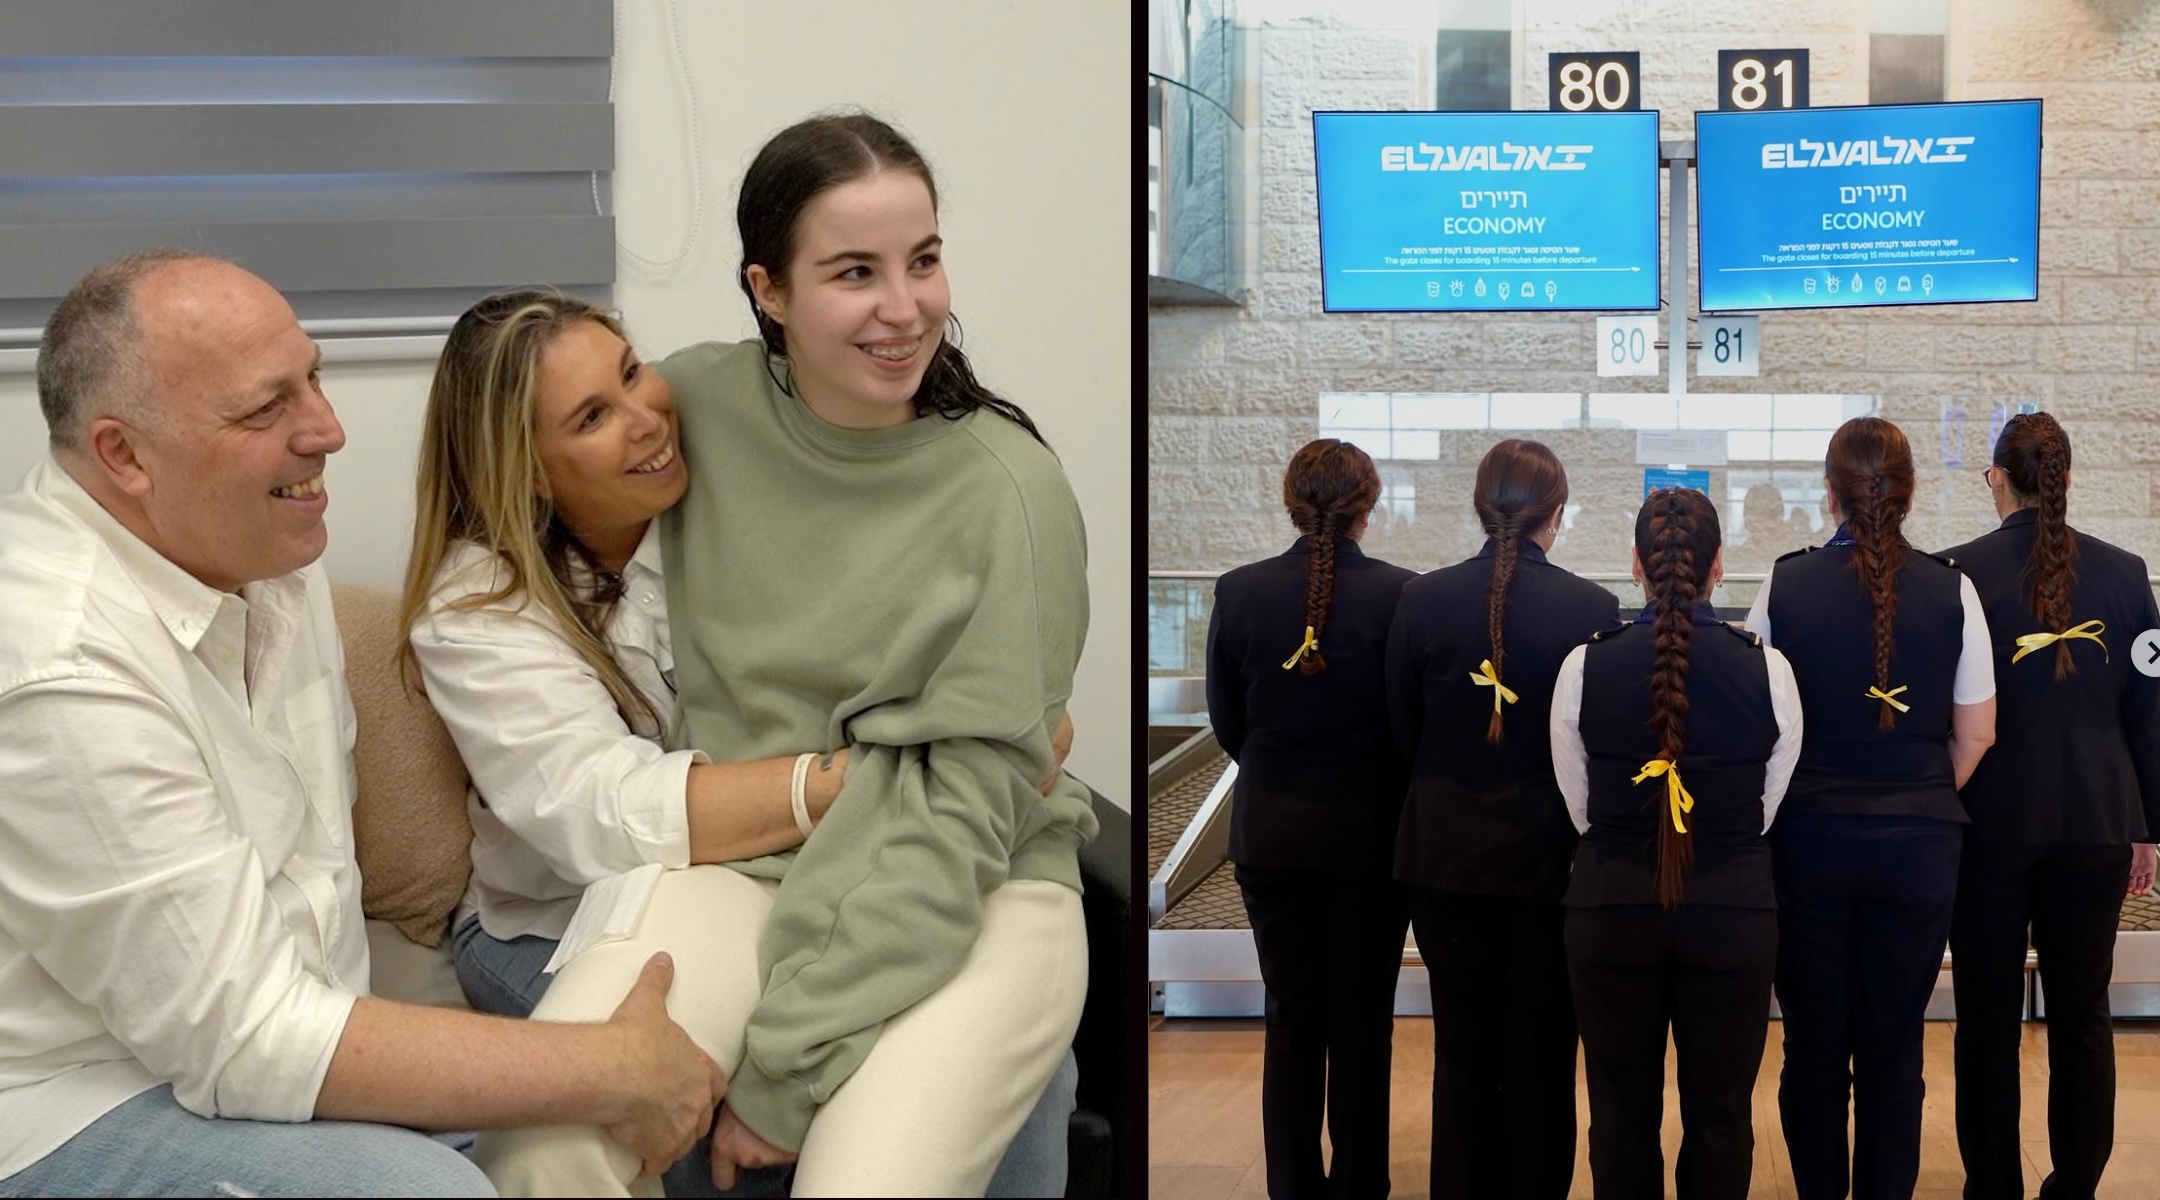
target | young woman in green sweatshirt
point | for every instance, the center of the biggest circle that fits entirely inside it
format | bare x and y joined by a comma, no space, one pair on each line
922,670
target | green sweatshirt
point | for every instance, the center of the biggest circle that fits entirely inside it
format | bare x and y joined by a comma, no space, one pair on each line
919,595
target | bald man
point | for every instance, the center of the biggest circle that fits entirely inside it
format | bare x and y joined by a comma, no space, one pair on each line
184,1003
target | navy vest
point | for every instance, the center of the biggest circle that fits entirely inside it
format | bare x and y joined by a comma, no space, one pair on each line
1821,620
2076,759
1729,733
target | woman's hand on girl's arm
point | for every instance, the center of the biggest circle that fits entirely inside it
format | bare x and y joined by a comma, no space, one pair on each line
743,810
1060,746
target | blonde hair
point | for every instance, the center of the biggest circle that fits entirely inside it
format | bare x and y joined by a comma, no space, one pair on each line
480,481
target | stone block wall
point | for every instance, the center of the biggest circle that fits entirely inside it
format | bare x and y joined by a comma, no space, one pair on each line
1233,392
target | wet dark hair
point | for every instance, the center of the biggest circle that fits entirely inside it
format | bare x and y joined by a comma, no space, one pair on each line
1676,536
2034,456
1870,470
1520,486
1328,486
796,166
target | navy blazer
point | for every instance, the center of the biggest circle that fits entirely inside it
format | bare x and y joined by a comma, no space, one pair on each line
1483,819
2078,760
1319,781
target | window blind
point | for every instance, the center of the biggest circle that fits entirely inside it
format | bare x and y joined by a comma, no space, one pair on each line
376,162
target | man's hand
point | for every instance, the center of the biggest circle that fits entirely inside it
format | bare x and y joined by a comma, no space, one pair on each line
2142,856
734,1146
1060,748
673,1085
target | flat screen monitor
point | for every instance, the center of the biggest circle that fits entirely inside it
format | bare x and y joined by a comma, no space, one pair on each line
1875,205
1487,211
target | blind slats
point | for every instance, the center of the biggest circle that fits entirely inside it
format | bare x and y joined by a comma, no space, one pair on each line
481,253
56,141
284,28
371,161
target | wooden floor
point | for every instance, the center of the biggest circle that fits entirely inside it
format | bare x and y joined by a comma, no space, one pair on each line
1204,1114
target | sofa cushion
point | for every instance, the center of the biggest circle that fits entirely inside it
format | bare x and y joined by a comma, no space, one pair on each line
410,830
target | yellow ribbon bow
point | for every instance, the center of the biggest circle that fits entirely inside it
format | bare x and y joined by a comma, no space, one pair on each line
1876,693
1676,793
1484,677
1312,645
2089,630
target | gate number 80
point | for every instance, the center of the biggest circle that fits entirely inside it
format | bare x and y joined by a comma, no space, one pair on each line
1602,82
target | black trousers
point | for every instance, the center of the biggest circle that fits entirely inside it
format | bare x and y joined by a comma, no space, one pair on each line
1864,908
2071,898
1503,1091
1330,946
1704,972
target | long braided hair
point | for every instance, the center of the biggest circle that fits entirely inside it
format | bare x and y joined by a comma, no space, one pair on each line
2033,454
1870,470
1677,538
1521,486
1328,486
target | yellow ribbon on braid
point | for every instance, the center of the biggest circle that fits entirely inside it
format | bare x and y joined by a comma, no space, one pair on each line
1876,693
2089,630
1676,793
1312,645
1484,677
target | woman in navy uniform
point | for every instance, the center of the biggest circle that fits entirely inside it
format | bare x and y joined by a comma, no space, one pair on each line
1485,837
1312,827
2055,807
1890,650
1673,739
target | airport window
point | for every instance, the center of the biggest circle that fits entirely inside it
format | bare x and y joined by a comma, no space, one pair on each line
1474,55
1407,426
1906,41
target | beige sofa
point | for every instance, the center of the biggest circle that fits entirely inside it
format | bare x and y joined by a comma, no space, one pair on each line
410,831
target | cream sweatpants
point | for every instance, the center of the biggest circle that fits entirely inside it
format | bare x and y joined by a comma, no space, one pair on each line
930,1111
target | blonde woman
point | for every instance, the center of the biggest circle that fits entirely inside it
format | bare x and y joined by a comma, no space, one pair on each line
535,603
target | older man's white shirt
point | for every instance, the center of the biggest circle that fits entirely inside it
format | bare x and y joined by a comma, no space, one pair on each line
178,897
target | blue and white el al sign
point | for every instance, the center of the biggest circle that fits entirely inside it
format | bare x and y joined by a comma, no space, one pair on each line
1487,211
1881,205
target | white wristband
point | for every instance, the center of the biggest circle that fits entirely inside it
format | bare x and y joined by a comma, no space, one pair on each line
795,793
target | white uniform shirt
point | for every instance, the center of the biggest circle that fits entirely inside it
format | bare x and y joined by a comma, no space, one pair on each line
565,796
178,897
1571,759
1975,678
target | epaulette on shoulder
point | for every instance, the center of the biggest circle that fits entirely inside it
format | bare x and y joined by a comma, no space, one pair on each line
1797,553
1602,634
1944,559
1749,636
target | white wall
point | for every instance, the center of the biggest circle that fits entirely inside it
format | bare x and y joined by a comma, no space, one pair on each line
1023,111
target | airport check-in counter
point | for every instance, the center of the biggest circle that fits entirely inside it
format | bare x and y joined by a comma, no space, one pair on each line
1201,961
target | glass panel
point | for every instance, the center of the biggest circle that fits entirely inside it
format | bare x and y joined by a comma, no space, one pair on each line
1632,411
1810,412
1472,70
1725,412
1905,68
1376,442
1441,410
1353,410
1177,625
1417,444
1747,445
1536,410
1800,445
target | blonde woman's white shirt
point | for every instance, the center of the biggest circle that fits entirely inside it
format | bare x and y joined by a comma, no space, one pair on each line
178,897
565,798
